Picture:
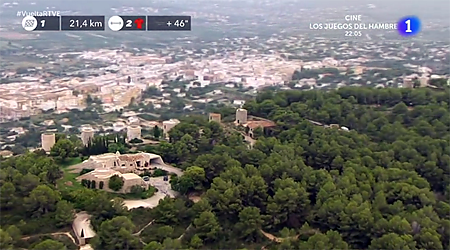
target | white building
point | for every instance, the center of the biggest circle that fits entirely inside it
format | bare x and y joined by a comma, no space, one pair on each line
51,104
330,62
241,116
134,132
126,163
103,175
68,102
48,141
238,102
132,120
82,228
118,126
87,134
423,81
168,125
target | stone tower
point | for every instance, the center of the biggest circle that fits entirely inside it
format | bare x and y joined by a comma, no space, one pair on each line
48,141
134,132
87,134
241,116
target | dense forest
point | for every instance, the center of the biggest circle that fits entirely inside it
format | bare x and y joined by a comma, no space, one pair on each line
384,184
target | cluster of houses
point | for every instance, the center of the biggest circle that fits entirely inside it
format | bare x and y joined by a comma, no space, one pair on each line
129,166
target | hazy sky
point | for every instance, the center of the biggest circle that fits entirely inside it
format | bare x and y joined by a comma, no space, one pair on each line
422,8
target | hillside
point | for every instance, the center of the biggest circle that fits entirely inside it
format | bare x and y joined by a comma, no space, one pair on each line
383,184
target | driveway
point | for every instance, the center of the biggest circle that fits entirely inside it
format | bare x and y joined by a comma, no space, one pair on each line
169,169
147,203
164,189
162,186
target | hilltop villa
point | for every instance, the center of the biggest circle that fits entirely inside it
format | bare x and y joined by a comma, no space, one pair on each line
126,163
126,166
103,176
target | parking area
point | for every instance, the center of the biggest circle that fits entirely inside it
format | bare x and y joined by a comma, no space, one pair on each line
164,189
162,186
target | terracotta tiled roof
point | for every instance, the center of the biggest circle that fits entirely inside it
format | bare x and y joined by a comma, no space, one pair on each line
263,124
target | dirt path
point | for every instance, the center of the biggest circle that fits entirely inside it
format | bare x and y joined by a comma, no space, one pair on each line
52,234
138,234
279,240
187,229
142,229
